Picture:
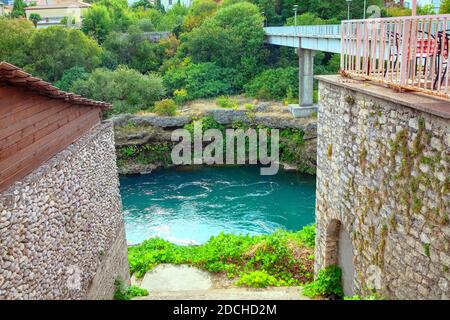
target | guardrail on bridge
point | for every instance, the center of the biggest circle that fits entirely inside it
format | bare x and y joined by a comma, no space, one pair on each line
409,53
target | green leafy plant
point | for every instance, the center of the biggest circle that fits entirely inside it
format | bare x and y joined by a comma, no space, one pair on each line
327,284
258,279
127,293
166,107
308,235
180,96
283,255
226,102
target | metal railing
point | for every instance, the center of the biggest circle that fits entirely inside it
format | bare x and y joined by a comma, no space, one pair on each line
328,31
407,53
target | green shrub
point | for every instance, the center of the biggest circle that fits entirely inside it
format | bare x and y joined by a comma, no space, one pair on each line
327,284
70,76
226,102
249,106
258,279
128,90
201,80
282,255
123,293
275,84
180,96
308,235
166,107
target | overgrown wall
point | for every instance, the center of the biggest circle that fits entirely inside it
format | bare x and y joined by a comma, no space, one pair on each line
383,178
61,228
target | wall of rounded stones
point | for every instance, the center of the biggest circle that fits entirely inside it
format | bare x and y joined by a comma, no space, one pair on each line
383,172
62,223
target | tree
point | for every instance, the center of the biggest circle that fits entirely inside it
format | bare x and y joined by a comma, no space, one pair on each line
70,76
35,18
201,80
200,10
275,84
233,38
13,40
145,4
54,49
445,6
135,50
97,22
128,90
18,9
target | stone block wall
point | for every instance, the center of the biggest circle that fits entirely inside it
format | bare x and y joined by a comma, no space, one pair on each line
383,178
61,227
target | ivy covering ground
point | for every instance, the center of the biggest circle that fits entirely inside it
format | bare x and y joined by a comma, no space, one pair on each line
279,259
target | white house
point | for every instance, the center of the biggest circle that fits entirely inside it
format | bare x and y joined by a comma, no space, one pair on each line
167,4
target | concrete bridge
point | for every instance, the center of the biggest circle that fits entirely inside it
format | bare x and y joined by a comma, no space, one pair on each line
308,40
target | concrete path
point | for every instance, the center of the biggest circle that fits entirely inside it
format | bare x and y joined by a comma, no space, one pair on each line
182,282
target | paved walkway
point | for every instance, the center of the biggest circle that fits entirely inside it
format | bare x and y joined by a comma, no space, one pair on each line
182,282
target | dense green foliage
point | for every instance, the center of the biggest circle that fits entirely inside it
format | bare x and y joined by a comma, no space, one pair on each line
291,143
445,6
258,279
274,84
282,258
165,107
13,44
70,76
151,153
127,293
201,80
327,284
127,89
52,50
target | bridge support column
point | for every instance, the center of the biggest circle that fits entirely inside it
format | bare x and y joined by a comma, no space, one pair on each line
306,80
306,77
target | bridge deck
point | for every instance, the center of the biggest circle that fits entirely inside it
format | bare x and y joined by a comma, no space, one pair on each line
321,38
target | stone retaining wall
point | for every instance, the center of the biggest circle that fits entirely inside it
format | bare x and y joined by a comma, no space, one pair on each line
61,227
383,179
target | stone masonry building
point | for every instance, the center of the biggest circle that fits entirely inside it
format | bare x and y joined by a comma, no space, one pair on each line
383,189
61,227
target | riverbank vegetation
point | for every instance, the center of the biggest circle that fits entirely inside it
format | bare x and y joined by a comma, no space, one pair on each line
134,56
279,259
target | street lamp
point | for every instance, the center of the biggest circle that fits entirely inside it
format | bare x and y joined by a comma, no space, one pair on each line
349,2
365,9
295,14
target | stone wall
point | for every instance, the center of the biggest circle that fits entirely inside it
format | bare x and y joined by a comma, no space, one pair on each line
61,228
383,178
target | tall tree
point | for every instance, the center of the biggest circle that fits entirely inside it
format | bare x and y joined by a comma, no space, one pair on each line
18,9
55,49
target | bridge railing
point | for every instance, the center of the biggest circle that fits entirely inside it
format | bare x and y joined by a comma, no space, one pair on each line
410,53
329,30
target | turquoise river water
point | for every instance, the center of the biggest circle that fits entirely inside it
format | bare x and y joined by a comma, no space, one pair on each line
189,205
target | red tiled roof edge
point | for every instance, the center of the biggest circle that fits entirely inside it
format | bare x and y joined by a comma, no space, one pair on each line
17,77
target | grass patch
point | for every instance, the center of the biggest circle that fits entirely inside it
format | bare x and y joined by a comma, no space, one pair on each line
281,258
127,293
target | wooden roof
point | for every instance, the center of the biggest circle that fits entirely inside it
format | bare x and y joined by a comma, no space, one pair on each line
15,76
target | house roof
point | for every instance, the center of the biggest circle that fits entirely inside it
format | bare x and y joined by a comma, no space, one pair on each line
60,4
15,76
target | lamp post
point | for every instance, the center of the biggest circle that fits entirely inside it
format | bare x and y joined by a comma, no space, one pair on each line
349,2
365,9
295,14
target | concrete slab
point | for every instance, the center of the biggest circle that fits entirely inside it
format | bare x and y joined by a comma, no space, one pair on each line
302,112
168,277
280,293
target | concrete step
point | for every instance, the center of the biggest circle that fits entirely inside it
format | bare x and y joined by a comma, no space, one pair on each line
278,293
